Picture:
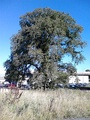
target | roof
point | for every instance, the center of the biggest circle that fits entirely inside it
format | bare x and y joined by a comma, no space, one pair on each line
83,73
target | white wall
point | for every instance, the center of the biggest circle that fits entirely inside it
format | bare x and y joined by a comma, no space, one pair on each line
81,79
72,79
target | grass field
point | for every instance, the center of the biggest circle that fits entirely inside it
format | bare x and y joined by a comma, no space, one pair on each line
46,105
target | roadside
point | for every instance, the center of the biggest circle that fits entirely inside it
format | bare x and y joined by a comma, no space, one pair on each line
77,119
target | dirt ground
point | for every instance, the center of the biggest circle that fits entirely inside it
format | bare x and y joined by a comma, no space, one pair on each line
78,119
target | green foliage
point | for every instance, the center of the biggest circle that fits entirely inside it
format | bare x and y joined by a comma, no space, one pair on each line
46,36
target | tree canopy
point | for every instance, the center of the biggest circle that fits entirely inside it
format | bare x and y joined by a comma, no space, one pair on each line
45,37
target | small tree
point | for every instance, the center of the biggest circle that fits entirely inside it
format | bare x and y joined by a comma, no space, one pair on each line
87,70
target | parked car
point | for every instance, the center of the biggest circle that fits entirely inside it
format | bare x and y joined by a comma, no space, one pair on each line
6,83
72,85
59,85
76,85
25,87
1,85
12,85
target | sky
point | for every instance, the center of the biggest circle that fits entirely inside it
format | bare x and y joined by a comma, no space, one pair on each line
11,10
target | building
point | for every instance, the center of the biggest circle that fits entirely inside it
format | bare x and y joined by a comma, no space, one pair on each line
82,77
2,79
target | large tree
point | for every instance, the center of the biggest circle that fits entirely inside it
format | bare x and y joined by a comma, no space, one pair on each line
45,37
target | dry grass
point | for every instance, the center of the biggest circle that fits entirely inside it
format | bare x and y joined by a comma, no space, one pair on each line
46,105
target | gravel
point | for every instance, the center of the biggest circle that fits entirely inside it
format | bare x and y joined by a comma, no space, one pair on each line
78,119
